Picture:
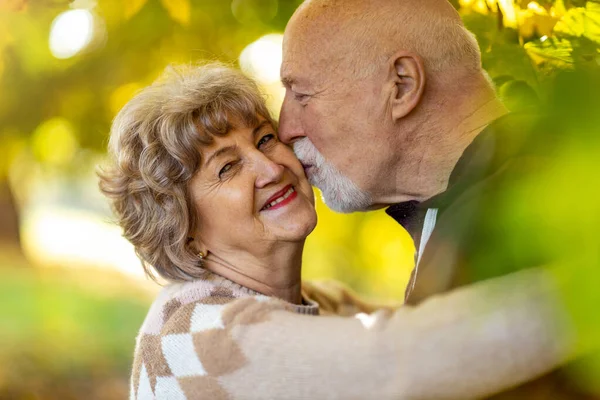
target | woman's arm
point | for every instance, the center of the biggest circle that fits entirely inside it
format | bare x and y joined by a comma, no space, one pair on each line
469,343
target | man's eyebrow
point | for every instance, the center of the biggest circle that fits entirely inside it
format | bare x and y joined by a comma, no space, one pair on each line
220,152
287,81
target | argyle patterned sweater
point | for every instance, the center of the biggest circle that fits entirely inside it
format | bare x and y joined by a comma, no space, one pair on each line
214,339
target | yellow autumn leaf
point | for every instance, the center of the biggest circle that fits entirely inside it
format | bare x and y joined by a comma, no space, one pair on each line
581,22
132,7
534,23
509,12
552,51
179,10
479,6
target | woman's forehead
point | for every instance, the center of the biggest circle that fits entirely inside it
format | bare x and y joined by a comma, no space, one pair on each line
232,125
242,123
213,142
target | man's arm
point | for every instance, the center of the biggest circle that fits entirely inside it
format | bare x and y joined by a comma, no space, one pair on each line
335,298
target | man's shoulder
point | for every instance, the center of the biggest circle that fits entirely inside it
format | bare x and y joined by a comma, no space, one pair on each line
489,222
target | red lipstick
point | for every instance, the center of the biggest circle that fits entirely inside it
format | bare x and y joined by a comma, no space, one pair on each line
285,196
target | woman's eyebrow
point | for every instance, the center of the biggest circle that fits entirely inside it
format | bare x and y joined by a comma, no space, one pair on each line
259,127
233,148
220,152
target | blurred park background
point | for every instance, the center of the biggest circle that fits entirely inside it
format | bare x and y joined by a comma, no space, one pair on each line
72,293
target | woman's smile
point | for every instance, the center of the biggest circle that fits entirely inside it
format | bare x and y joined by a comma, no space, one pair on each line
280,199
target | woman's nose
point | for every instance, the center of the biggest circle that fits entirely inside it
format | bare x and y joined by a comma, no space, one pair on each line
267,171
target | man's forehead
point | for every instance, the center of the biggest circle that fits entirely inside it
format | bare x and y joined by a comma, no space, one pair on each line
312,49
295,67
305,64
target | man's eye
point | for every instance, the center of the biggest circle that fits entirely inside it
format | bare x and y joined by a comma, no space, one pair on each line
265,139
301,97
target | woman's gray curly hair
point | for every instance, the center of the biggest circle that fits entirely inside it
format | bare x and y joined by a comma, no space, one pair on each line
154,146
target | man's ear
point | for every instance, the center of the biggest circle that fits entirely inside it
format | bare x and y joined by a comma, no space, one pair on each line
408,74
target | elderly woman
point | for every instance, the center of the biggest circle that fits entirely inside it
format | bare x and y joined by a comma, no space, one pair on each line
217,206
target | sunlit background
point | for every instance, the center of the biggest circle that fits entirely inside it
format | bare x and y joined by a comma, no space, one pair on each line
72,291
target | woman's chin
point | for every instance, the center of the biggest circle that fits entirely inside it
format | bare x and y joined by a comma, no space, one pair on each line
310,224
309,228
297,218
297,227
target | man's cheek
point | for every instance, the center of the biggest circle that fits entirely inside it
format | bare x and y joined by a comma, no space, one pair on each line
318,139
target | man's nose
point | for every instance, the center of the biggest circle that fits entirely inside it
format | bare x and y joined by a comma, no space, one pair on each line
267,171
290,126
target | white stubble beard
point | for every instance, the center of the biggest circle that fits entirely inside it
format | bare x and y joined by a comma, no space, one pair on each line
338,191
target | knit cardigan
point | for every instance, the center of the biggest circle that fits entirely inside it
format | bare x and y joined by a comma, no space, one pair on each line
214,339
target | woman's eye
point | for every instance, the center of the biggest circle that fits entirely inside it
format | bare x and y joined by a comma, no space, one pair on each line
225,169
265,139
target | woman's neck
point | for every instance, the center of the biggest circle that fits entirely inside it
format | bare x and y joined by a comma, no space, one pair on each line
276,272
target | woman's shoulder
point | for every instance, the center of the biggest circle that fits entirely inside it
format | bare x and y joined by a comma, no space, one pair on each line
177,303
187,333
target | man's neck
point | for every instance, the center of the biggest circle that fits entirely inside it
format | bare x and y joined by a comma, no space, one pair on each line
475,122
439,150
275,273
461,136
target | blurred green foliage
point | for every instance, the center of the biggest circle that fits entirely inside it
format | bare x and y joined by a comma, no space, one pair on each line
64,340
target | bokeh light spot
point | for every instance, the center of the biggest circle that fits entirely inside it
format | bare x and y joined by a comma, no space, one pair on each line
59,236
54,142
71,32
262,59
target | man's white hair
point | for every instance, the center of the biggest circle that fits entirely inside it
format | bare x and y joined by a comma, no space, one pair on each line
338,191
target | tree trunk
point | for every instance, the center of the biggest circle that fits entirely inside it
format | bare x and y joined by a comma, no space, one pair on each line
9,219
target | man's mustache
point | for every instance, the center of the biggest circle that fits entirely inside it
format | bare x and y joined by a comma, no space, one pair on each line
306,152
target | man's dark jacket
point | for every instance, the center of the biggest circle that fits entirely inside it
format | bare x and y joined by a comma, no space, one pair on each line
501,212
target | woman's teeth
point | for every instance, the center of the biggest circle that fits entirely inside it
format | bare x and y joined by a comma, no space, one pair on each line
280,199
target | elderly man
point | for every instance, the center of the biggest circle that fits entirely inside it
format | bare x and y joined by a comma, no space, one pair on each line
387,105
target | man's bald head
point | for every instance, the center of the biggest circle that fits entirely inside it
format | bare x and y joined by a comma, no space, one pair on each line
364,33
379,89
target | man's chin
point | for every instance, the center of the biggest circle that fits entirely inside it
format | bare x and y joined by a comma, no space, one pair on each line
338,199
314,180
333,201
336,206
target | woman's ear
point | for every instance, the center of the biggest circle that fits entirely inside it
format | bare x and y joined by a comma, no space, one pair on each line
408,73
195,246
